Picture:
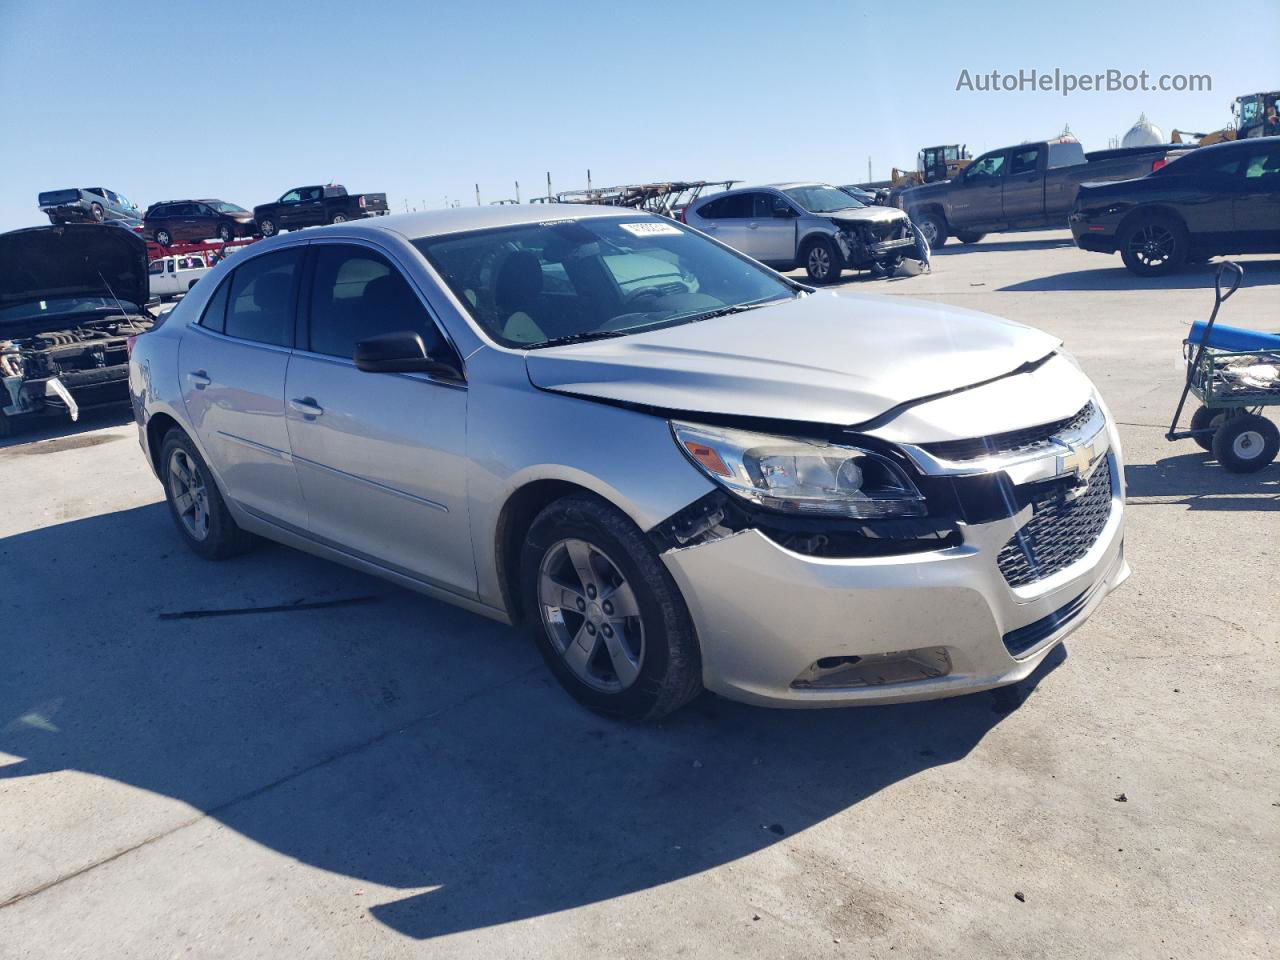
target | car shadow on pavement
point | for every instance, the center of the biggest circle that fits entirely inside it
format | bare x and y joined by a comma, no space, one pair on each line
954,246
1256,273
395,740
48,428
1196,481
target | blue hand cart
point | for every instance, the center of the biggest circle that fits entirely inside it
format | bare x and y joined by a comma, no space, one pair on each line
1234,373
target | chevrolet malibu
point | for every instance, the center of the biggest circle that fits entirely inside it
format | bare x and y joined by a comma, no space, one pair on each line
679,468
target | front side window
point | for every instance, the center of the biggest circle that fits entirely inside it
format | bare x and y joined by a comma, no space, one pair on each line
535,284
991,165
821,198
768,205
261,304
355,295
1263,165
291,197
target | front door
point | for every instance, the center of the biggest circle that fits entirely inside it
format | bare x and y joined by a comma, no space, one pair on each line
232,366
1024,185
381,456
1256,205
979,199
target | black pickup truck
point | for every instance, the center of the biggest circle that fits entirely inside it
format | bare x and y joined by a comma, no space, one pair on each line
316,205
1030,186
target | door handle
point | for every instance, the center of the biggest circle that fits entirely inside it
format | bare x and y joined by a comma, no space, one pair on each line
199,379
306,406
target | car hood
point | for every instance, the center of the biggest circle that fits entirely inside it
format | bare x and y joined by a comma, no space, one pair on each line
877,214
71,261
825,358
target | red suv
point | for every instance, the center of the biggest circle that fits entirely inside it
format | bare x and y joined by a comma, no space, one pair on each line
191,221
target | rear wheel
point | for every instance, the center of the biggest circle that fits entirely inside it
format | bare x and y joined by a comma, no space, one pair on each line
338,217
933,226
197,507
606,614
98,213
968,236
1154,246
164,238
822,261
1206,419
1246,444
267,227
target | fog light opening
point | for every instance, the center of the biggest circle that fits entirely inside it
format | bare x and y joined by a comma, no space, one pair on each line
875,670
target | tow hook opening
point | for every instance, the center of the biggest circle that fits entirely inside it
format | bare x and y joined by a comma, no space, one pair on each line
875,670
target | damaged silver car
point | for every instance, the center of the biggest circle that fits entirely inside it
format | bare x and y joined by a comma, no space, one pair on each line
71,296
679,468
824,229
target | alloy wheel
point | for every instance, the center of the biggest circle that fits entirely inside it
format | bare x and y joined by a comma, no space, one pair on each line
930,231
819,262
189,495
339,218
1152,244
591,615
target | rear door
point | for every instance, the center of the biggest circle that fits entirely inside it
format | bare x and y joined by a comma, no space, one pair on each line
232,366
381,457
725,218
771,230
1024,185
182,222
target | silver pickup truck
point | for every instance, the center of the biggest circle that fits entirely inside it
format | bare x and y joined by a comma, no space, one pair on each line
1026,187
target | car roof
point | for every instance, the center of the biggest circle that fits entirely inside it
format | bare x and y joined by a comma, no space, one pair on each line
433,223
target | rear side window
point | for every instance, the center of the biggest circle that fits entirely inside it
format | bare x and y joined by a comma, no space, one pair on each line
1024,161
1065,155
734,207
261,304
355,295
215,313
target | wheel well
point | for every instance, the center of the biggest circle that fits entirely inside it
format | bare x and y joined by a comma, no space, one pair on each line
157,427
1148,212
931,208
517,516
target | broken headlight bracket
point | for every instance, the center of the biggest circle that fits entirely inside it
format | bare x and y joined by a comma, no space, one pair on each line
719,514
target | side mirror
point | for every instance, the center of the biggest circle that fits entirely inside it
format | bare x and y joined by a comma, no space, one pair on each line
401,352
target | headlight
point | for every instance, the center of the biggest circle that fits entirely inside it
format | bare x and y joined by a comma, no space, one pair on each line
801,476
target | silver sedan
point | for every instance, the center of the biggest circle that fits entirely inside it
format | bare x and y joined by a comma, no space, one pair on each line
680,468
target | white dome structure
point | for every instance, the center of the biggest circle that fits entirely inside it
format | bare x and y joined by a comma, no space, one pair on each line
1144,133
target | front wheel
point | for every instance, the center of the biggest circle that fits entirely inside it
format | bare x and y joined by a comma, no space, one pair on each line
933,227
1154,247
822,261
225,233
196,505
267,227
607,617
1246,444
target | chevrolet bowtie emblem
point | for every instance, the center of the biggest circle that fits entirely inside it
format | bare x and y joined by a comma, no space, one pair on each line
1077,461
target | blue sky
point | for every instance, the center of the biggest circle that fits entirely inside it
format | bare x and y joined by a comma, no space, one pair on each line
422,100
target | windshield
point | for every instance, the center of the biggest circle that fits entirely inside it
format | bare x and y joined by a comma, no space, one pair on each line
822,199
539,283
59,308
223,207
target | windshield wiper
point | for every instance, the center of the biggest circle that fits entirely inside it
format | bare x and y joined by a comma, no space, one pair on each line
729,310
583,337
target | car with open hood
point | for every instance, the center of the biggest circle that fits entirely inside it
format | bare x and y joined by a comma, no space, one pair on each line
822,228
681,469
71,296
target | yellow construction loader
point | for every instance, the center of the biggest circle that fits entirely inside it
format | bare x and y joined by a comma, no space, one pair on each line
1250,113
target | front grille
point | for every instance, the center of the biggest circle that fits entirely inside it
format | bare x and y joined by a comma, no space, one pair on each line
1019,641
886,230
1014,441
1060,531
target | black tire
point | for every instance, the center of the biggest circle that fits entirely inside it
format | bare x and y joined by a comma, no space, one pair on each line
1246,443
225,232
98,213
6,426
933,226
164,238
223,538
1207,419
670,665
822,261
338,217
267,227
968,236
1154,246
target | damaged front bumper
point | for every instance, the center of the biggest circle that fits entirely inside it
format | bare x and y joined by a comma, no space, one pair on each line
785,627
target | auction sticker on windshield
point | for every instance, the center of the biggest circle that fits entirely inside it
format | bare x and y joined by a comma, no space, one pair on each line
650,229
